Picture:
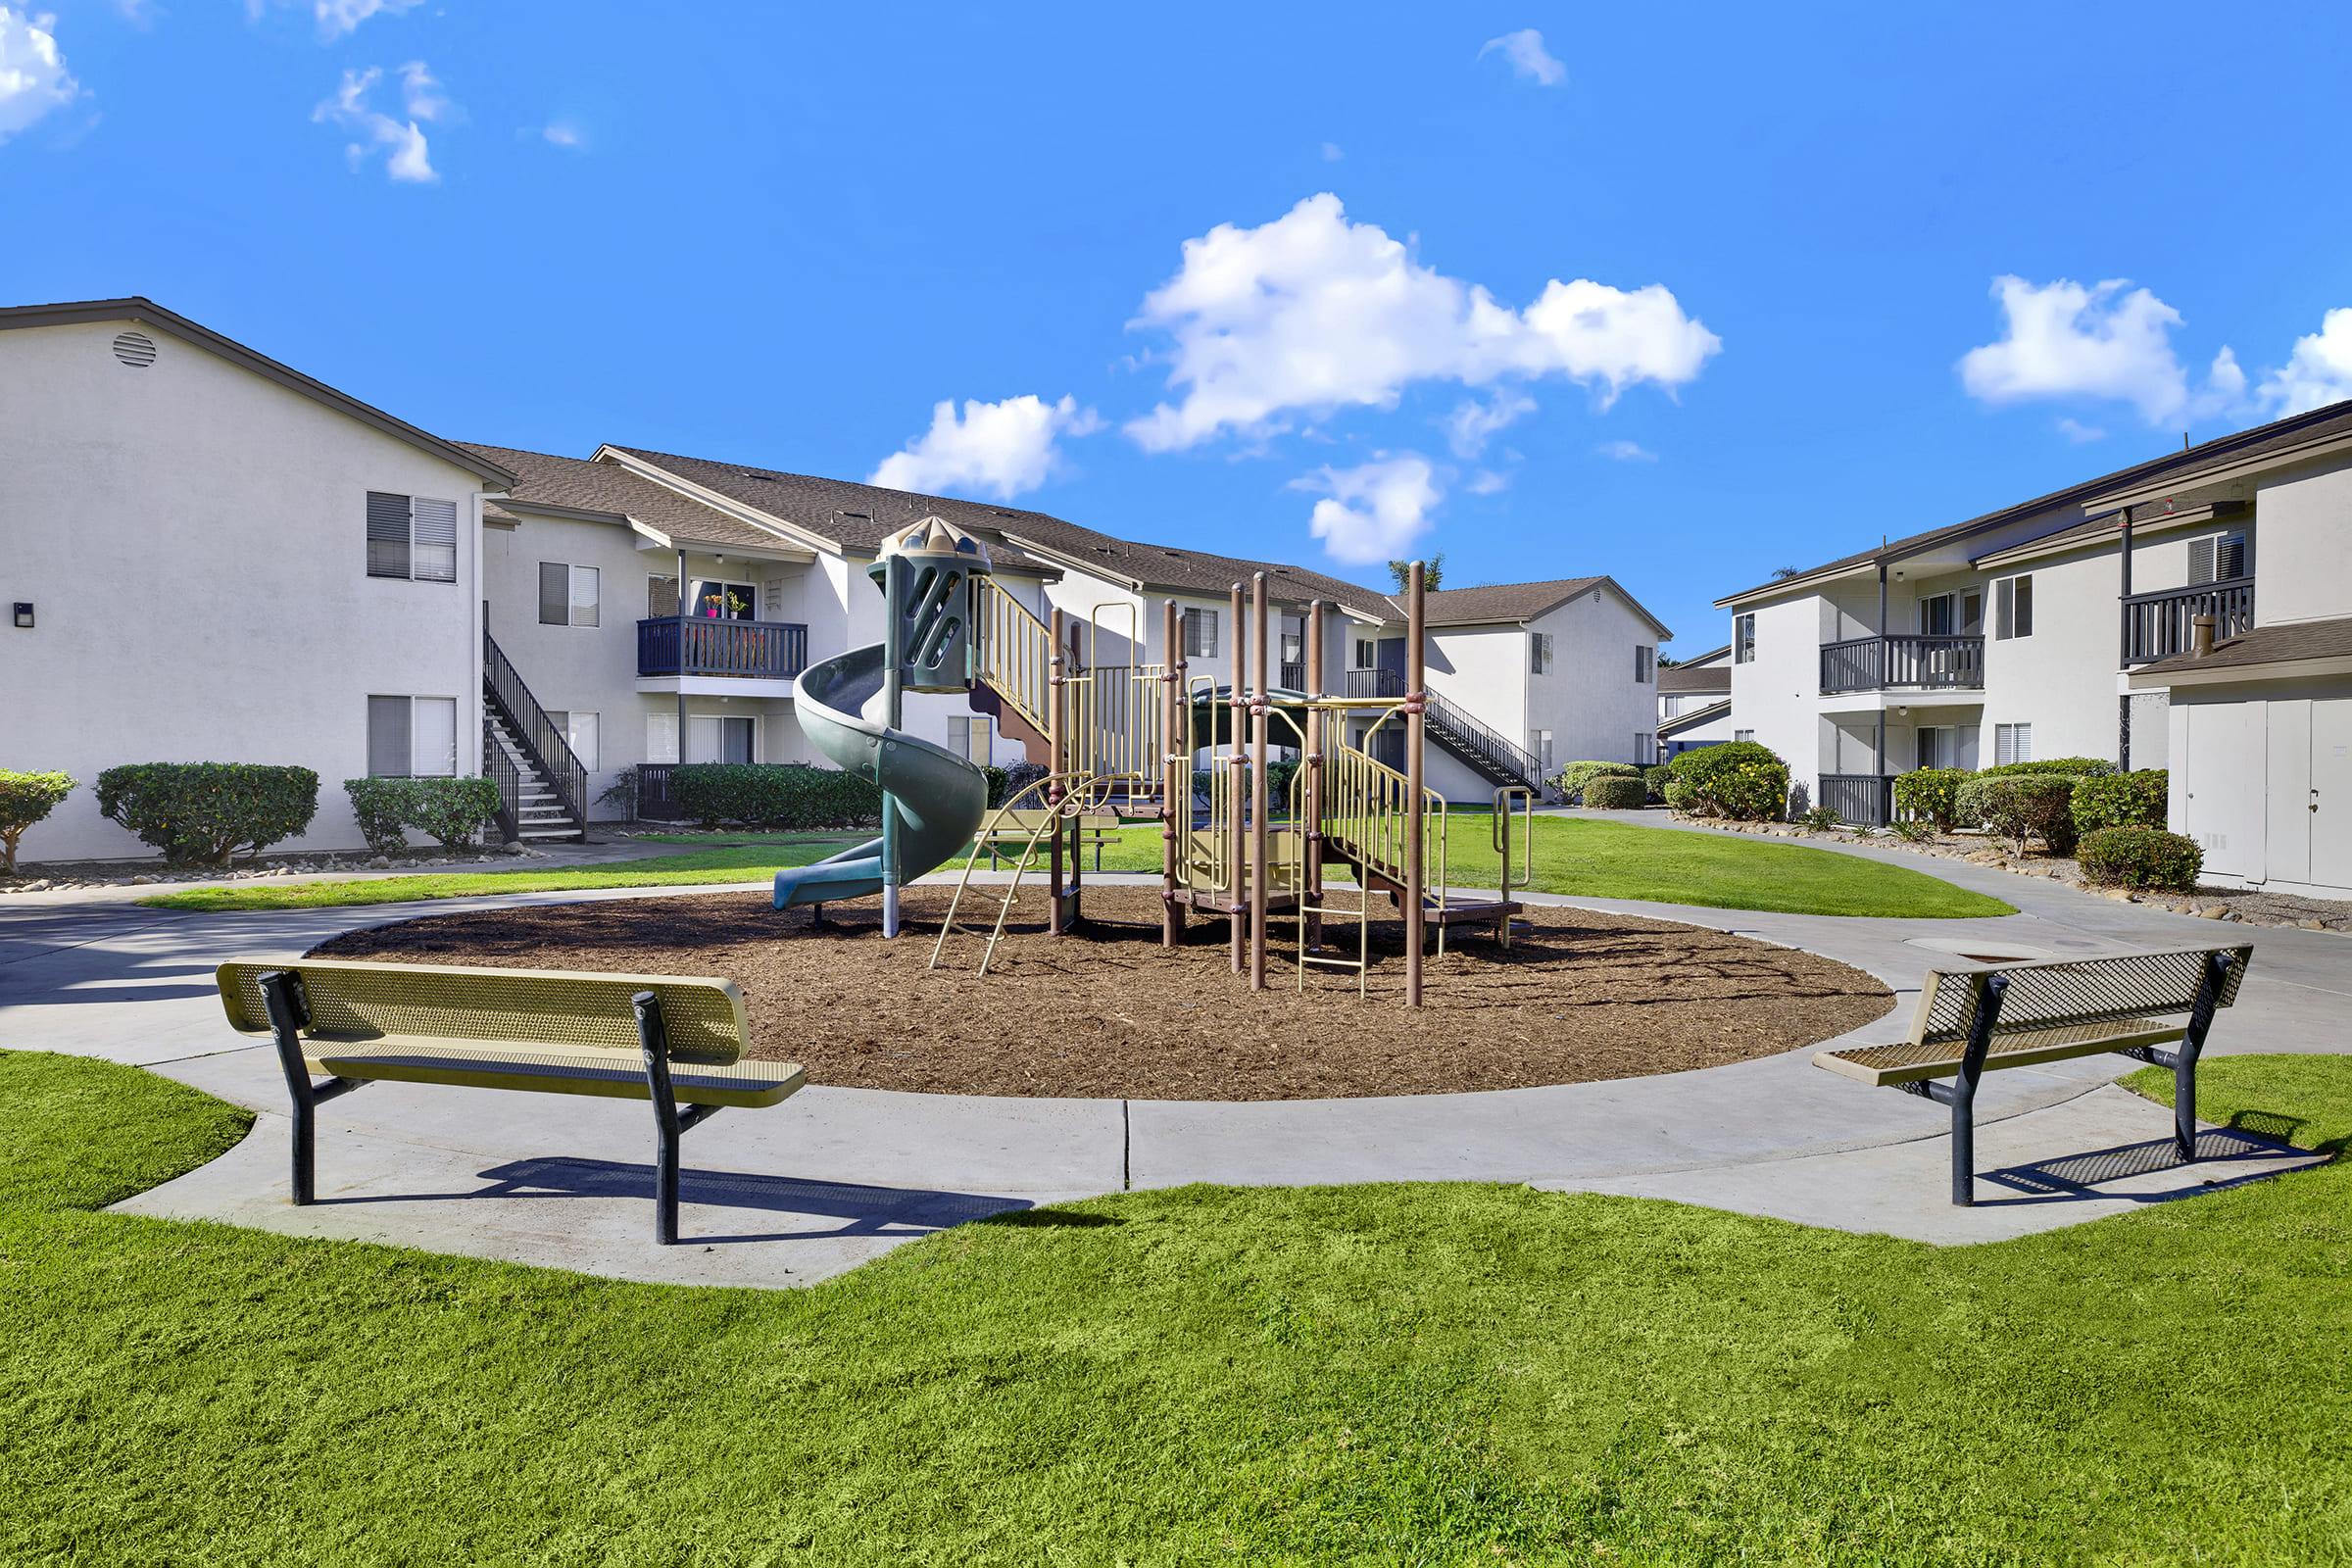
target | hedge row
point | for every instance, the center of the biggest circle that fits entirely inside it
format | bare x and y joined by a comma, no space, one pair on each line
786,798
2140,858
453,810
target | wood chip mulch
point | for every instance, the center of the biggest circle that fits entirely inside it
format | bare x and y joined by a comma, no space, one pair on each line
1110,1013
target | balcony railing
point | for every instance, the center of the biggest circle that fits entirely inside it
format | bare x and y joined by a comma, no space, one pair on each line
2157,625
769,650
1911,662
1865,800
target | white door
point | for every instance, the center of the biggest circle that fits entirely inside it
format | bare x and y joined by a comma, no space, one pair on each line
2287,856
2330,794
2225,770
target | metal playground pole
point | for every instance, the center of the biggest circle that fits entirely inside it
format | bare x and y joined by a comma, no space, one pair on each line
1415,673
1260,697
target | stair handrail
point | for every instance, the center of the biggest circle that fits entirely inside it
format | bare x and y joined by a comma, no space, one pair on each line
1461,728
547,749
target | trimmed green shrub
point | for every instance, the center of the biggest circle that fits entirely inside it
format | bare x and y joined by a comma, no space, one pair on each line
1610,793
2074,766
2136,799
996,777
2142,857
26,798
1657,778
1678,795
453,810
1930,795
380,804
202,813
2023,805
1738,779
1570,781
785,796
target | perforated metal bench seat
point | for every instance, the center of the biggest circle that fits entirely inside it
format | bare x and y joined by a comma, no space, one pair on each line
1909,1061
1973,1021
674,1041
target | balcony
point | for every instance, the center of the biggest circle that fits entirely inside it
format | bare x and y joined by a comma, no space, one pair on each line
1863,800
750,649
1903,664
2157,625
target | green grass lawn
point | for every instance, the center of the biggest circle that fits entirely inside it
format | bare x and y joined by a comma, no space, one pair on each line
1573,855
1426,1374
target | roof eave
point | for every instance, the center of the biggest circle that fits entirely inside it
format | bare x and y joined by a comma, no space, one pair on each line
2158,489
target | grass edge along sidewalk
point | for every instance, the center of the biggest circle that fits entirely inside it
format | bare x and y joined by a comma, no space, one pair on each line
1434,1373
1578,858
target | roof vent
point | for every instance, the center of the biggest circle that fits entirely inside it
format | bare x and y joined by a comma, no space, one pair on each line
134,349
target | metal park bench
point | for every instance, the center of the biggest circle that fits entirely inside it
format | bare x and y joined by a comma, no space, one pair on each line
674,1041
1973,1021
1020,830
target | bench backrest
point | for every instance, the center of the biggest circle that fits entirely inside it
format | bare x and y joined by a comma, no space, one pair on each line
702,1019
2059,993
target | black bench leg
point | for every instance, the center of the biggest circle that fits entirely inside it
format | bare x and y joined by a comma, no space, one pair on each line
1964,1090
655,1044
290,1014
2192,1044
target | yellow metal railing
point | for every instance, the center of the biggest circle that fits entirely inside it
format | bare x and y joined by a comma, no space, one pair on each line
1080,796
1015,653
1365,805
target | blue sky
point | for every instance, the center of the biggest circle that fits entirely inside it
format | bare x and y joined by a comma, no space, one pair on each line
1678,294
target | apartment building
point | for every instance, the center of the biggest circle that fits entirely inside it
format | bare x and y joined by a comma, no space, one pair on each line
294,577
1694,704
2010,636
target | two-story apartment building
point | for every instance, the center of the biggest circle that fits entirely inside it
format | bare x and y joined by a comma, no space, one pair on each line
207,555
2007,637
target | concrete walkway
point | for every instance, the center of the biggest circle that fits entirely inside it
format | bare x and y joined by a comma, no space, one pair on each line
836,1175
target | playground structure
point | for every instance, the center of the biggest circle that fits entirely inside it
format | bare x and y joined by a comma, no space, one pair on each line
1119,736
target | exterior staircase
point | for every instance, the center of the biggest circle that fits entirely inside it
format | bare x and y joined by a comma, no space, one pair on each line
542,788
1497,760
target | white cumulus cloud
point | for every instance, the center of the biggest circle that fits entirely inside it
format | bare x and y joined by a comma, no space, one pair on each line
407,156
1312,313
1375,511
1625,452
999,450
33,78
562,134
2104,340
336,19
1530,60
2078,432
2317,372
1473,424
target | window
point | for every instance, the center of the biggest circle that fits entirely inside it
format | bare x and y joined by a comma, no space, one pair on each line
661,598
1538,743
567,595
1646,663
2216,558
662,737
411,537
1646,748
1200,634
1743,734
970,739
1538,653
725,601
2013,608
2012,742
1936,749
713,739
1743,639
579,732
1366,654
411,737
1952,615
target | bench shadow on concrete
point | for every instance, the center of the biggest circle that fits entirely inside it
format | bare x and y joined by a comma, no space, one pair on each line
2253,1139
863,1211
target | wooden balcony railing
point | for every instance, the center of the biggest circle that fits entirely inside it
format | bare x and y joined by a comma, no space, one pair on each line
769,650
1917,663
2157,625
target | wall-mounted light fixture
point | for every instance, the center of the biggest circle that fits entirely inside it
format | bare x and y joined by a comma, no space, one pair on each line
24,617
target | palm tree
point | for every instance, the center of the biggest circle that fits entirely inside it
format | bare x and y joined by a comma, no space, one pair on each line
1432,571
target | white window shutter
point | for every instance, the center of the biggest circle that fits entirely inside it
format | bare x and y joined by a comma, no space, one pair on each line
436,547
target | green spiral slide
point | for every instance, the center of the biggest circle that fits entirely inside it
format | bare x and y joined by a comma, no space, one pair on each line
933,803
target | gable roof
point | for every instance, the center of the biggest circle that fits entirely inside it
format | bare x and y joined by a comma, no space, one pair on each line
2221,451
857,518
1696,679
145,311
611,493
1694,718
1515,601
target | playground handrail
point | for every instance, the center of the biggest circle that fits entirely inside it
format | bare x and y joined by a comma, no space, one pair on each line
1015,653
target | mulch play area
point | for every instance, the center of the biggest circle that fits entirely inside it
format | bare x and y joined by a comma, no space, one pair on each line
1109,1014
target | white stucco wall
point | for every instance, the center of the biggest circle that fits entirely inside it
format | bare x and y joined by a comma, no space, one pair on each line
2303,570
1775,694
193,538
2062,679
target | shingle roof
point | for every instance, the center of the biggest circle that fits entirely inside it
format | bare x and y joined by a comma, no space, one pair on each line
2335,418
1699,681
860,516
2266,644
1515,601
584,486
1694,718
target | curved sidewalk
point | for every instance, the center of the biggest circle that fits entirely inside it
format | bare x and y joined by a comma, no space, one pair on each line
848,1172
